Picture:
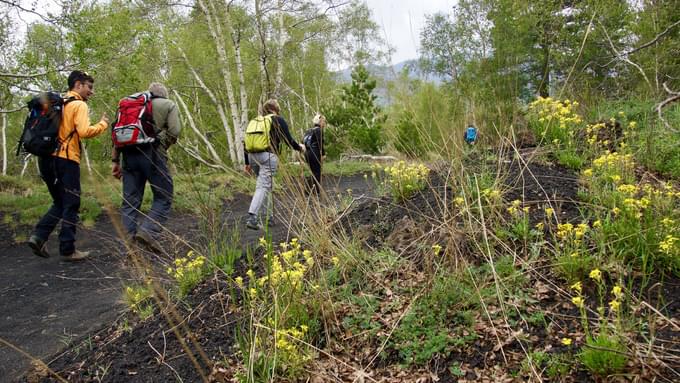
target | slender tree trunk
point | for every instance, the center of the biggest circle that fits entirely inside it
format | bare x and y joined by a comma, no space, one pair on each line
201,136
240,131
232,143
4,144
87,160
264,74
279,52
218,37
25,165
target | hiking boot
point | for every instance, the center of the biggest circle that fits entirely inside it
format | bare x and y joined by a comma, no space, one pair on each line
147,240
253,223
77,256
38,246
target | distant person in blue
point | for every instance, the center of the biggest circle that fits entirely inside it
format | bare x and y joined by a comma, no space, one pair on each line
471,135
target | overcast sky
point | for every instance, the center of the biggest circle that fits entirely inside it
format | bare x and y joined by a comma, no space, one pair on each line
402,20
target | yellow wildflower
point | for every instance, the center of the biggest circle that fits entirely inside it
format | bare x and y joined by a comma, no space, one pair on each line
578,287
596,275
566,341
239,281
578,301
615,305
617,291
436,249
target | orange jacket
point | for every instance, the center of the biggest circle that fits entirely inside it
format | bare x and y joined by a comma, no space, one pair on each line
76,117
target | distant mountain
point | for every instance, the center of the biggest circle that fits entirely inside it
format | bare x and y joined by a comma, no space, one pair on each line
385,74
391,72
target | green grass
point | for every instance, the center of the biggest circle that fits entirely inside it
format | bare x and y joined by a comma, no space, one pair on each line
346,168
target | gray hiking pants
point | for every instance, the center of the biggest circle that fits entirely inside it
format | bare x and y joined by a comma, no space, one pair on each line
267,163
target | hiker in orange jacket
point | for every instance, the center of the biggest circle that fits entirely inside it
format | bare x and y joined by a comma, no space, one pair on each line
61,171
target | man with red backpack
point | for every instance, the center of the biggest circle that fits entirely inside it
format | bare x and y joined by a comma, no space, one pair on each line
147,124
61,169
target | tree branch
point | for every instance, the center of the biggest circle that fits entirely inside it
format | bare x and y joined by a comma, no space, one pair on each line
655,39
624,57
15,4
674,96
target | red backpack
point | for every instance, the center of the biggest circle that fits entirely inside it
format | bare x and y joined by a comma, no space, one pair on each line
134,122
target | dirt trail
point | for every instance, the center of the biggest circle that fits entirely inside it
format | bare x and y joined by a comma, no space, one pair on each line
47,304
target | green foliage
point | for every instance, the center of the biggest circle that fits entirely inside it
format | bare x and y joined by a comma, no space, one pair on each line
356,116
436,323
441,319
139,298
603,355
408,132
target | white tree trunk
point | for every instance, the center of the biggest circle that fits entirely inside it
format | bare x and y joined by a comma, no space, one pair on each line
23,168
4,144
233,146
87,160
278,87
264,75
192,124
216,32
239,132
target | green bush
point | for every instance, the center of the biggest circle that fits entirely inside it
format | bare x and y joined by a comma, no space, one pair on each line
603,355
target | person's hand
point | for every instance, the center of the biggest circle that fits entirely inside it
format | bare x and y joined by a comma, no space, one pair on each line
104,118
302,148
248,169
115,170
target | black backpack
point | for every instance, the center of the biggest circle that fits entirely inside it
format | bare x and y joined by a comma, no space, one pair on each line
308,138
41,129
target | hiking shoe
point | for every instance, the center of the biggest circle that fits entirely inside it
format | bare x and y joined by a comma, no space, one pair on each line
38,246
77,256
253,223
147,240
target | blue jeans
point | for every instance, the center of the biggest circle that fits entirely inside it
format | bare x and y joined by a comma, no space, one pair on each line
142,165
62,178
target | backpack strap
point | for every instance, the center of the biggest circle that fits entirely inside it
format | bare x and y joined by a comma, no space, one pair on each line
68,138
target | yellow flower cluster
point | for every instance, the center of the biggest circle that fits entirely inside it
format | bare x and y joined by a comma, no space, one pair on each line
288,343
283,337
286,268
615,304
404,179
186,265
668,245
595,275
628,189
491,194
614,160
549,110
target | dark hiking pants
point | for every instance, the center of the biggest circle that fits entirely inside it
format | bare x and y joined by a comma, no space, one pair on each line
139,166
62,178
314,161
